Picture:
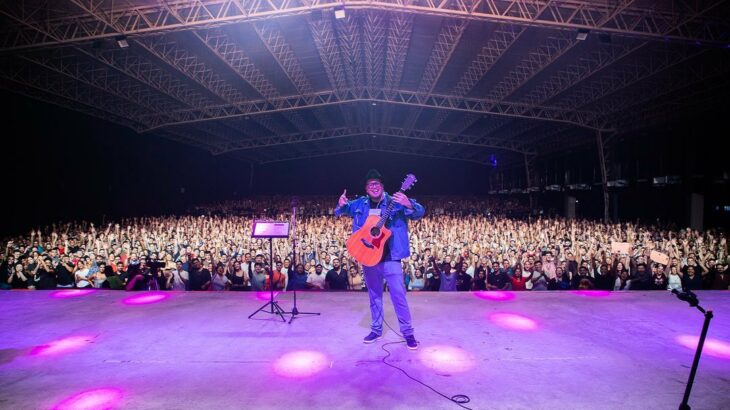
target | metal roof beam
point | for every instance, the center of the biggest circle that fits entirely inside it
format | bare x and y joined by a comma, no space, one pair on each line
685,21
401,97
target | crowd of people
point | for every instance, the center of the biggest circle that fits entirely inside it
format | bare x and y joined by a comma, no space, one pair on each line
462,244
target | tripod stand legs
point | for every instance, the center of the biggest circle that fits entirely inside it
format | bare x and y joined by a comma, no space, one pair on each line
295,312
275,310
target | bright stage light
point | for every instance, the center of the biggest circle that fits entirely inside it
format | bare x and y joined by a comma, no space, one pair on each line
512,321
446,359
495,295
104,398
71,293
146,298
713,347
591,293
61,346
264,295
300,364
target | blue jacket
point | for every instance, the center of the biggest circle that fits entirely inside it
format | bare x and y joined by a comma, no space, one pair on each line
359,210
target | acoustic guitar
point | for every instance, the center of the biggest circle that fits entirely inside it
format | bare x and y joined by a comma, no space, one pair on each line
366,245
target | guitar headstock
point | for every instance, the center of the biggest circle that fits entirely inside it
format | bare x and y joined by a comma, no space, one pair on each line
408,182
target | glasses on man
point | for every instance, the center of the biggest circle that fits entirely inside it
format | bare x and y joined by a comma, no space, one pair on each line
373,185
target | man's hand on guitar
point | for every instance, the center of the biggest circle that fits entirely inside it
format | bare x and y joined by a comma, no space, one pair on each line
343,199
402,199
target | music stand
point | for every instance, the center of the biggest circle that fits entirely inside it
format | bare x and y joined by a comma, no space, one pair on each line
271,230
294,311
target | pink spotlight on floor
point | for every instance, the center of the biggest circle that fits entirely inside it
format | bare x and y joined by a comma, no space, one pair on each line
263,295
512,321
61,346
446,359
591,293
71,293
496,295
146,298
713,347
96,399
299,364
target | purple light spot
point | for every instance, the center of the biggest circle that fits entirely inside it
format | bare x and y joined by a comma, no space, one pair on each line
591,293
299,364
60,346
146,298
713,347
71,293
512,321
495,295
96,399
265,295
446,359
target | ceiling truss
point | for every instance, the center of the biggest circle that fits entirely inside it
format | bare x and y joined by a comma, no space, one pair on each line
439,79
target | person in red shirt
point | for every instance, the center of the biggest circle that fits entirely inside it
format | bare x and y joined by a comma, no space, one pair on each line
518,282
279,279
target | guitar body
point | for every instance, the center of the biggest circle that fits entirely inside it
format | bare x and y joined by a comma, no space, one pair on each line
367,244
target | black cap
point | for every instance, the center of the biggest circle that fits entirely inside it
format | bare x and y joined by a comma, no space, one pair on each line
373,174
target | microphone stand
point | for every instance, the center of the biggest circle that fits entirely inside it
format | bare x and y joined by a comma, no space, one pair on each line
691,298
294,311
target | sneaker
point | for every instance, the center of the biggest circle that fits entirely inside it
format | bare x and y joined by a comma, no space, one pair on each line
411,342
372,338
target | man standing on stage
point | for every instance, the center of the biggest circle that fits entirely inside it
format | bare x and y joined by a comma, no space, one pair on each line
389,268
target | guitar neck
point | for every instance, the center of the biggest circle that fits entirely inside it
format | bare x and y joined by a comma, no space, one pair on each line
388,211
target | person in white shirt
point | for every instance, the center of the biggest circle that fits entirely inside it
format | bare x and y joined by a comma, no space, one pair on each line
326,261
179,277
674,281
622,281
316,280
81,275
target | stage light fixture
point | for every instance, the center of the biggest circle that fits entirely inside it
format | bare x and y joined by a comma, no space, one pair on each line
666,180
492,160
618,183
122,41
579,187
340,12
582,34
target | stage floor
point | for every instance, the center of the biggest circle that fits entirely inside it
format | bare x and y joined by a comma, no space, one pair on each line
542,350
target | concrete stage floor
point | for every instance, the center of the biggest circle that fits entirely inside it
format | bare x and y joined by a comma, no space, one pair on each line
542,350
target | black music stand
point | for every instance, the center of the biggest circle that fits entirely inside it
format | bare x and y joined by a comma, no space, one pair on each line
271,230
294,311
